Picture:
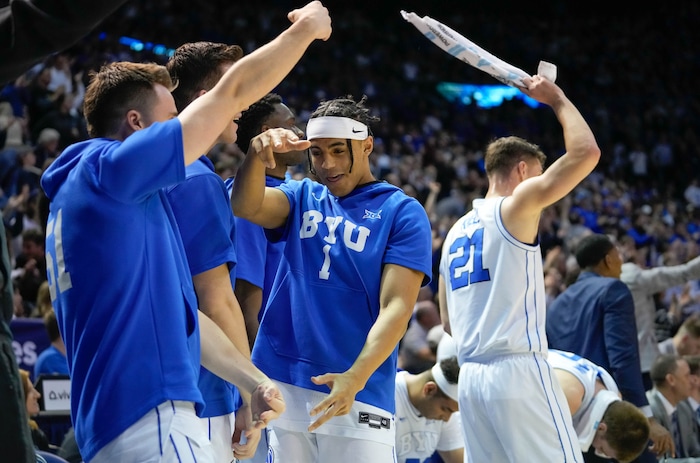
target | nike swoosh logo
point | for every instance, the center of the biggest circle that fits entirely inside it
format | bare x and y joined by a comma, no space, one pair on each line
357,131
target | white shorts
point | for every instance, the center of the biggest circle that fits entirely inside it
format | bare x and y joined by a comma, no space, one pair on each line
219,429
172,432
366,433
513,410
294,447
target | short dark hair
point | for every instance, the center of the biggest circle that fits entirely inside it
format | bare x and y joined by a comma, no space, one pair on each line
627,430
197,66
116,89
502,154
592,249
662,366
450,368
252,119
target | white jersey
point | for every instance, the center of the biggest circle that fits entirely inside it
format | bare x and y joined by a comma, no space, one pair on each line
588,415
495,287
417,438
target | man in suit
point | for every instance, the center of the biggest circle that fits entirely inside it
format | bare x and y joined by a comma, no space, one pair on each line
686,341
672,386
594,318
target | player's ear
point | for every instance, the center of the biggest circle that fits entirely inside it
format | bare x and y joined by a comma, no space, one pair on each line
429,389
602,428
134,120
368,145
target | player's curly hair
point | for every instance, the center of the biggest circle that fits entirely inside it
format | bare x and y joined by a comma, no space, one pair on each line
450,368
345,107
252,119
198,66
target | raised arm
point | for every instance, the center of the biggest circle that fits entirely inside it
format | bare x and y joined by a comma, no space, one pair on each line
581,157
657,279
250,198
250,79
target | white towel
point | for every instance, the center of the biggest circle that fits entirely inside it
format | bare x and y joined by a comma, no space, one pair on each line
590,419
464,49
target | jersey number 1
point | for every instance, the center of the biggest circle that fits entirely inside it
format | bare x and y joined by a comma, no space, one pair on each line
466,250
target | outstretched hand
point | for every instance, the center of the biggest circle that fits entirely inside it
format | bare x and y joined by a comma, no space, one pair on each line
276,140
343,388
316,15
266,404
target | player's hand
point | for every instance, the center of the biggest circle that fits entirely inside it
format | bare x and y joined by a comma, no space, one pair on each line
266,404
316,16
276,140
245,437
344,387
661,439
542,90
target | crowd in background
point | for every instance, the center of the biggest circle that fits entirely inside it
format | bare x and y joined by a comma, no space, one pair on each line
632,77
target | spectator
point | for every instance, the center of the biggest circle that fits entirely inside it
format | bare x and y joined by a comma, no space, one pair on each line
415,353
41,442
52,360
30,266
671,377
686,341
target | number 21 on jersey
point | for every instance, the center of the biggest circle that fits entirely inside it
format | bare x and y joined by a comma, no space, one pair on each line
466,263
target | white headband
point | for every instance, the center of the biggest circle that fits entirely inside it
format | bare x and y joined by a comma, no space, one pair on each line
336,127
446,387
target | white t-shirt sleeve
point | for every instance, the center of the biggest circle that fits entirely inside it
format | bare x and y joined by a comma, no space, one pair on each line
451,435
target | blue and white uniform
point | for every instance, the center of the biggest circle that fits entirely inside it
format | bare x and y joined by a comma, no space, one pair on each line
593,406
258,261
495,300
119,281
325,297
208,234
417,437
258,258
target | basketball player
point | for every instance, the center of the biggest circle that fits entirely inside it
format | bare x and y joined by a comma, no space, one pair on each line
491,291
258,258
208,235
426,414
355,255
613,427
117,268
